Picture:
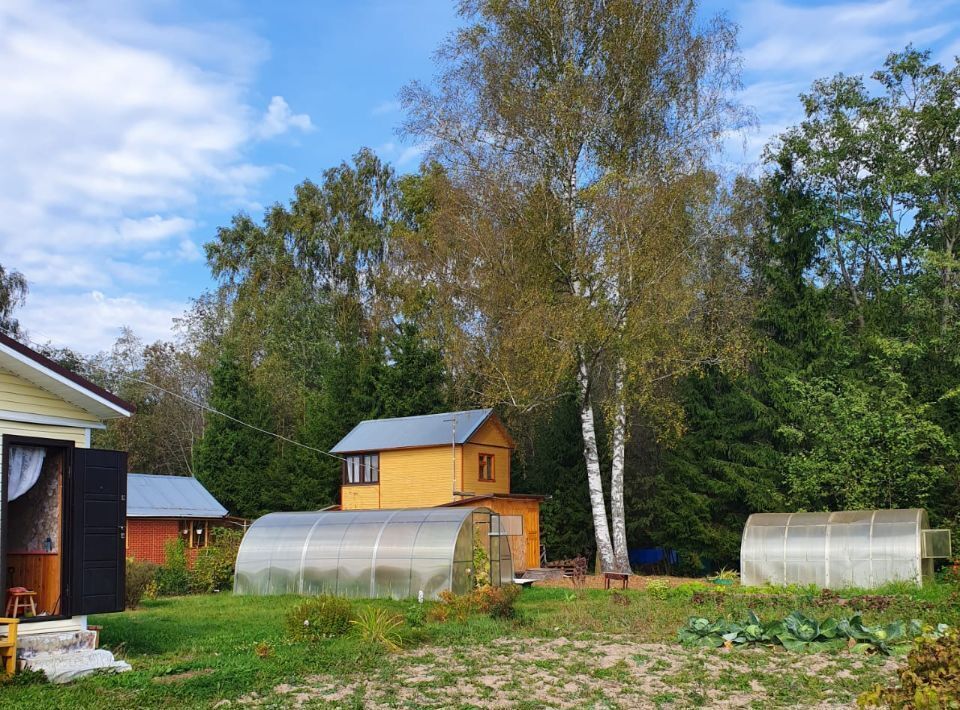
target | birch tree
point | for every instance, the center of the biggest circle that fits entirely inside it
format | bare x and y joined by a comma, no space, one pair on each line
574,231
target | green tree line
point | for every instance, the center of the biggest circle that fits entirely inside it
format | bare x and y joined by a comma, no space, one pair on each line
673,349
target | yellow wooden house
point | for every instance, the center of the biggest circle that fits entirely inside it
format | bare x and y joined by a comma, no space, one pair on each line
453,458
62,510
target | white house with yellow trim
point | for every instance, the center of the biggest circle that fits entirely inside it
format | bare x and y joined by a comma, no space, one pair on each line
62,508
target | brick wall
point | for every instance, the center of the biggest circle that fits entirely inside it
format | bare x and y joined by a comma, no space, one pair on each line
147,536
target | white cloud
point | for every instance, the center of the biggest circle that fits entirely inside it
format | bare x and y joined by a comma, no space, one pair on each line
189,251
114,129
280,119
788,45
91,321
385,107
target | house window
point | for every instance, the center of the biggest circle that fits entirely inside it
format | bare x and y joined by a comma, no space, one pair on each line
195,533
486,467
361,468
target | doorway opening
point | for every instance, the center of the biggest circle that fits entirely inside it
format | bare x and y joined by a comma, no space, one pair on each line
35,476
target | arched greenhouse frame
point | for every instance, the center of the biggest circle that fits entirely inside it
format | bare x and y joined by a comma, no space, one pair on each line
372,553
858,548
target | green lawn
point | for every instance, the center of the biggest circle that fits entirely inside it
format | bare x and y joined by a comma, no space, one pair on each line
596,648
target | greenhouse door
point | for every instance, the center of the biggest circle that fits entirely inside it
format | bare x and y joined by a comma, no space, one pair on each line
99,485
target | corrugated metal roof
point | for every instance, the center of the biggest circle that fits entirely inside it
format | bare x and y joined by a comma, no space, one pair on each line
404,432
153,496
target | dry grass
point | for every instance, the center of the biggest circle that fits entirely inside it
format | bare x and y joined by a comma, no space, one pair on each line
595,581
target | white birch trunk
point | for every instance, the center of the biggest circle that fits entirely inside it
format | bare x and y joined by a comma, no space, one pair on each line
617,513
594,481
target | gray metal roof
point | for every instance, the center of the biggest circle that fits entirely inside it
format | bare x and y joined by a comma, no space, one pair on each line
153,496
405,432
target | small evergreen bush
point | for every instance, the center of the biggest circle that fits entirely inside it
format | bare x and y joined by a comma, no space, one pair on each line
140,575
319,618
173,577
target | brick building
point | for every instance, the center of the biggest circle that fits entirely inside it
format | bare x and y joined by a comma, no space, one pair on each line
164,508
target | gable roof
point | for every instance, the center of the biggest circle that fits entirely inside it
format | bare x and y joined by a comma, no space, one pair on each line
153,496
43,372
413,432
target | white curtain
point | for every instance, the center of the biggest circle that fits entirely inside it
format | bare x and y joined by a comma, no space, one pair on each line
24,469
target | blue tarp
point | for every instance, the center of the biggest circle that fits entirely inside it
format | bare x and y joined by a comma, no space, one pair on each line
652,556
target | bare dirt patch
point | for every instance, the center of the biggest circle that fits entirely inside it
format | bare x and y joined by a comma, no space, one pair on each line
605,670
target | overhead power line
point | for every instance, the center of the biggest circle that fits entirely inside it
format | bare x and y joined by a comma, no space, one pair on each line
188,400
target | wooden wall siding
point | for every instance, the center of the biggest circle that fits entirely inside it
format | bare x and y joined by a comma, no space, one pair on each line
19,395
489,434
40,572
525,550
360,497
471,470
417,478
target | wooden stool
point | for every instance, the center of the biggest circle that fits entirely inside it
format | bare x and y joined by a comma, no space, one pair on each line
20,599
624,579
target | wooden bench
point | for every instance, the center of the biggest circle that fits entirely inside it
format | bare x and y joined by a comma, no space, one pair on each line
8,645
608,577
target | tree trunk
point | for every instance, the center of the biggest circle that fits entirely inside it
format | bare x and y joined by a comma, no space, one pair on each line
617,514
594,481
947,284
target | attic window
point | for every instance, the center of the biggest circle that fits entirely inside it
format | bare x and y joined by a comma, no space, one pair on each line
361,468
486,467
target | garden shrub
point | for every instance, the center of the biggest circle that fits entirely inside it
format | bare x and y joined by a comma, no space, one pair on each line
658,589
481,562
415,615
173,577
320,617
213,569
498,602
930,680
140,575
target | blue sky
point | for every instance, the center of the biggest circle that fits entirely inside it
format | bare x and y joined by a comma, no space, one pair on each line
130,131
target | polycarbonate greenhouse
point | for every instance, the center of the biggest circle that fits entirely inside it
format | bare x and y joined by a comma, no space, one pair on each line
371,553
861,548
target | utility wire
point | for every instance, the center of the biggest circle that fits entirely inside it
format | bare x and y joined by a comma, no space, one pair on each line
206,407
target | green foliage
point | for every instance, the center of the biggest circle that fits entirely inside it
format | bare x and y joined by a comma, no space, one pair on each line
378,626
799,632
703,632
886,640
139,576
658,589
497,602
13,294
231,459
864,443
319,617
930,680
24,677
173,576
551,463
481,561
212,569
